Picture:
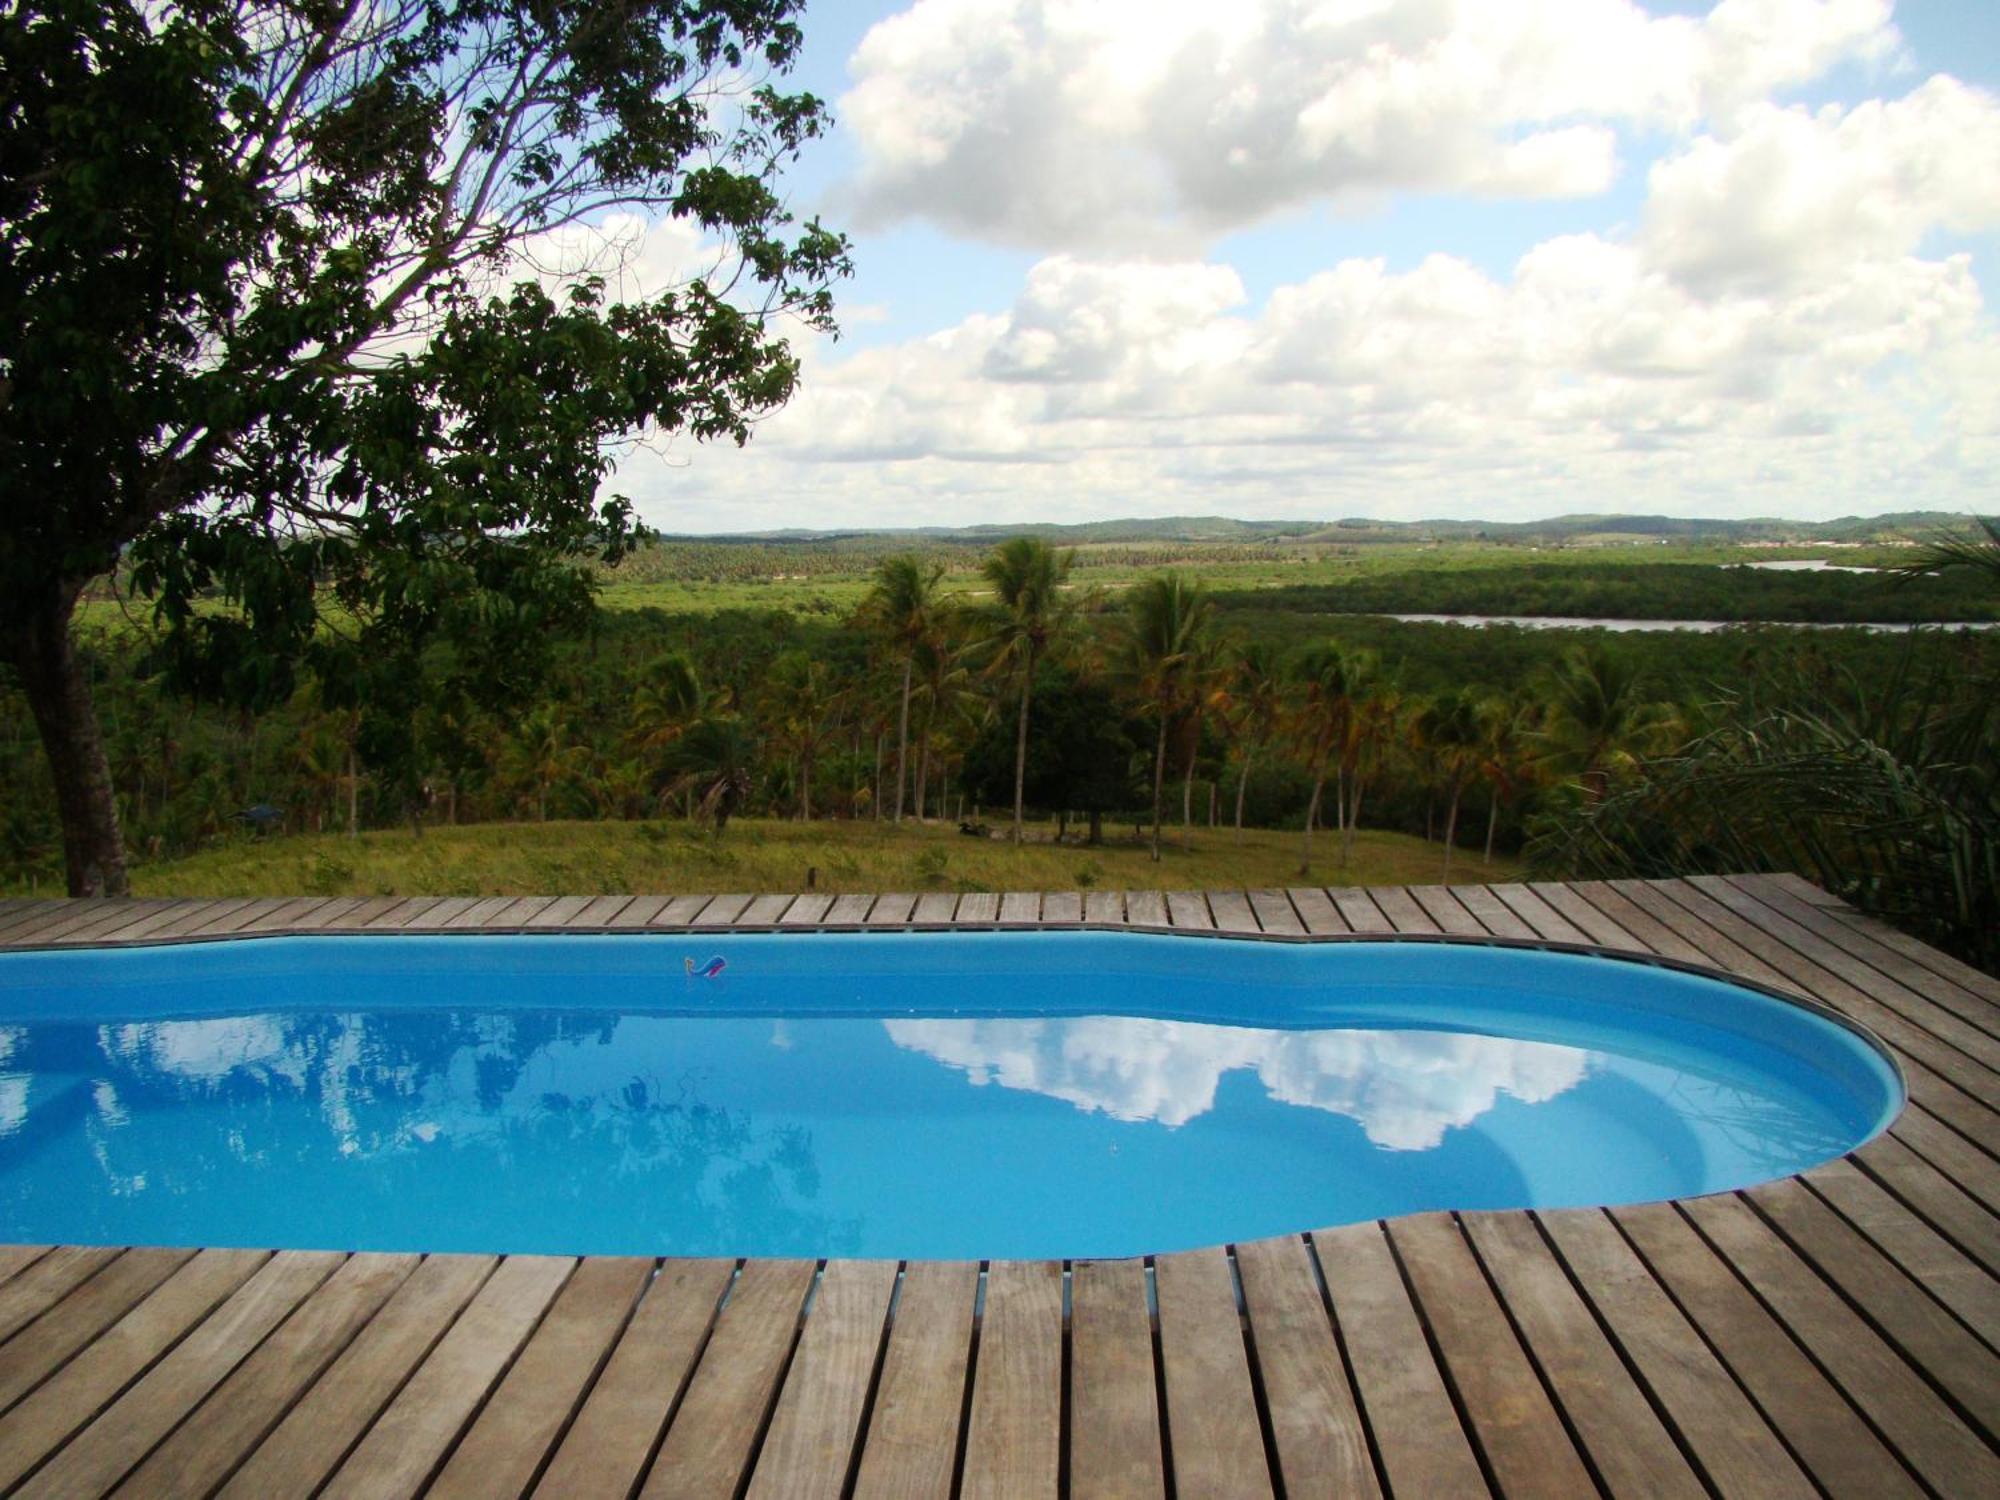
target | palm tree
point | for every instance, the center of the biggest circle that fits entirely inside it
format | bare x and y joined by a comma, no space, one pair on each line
1506,725
1168,618
1326,678
1945,551
903,605
940,687
544,753
715,760
1378,710
1254,694
1600,719
1449,726
802,701
1027,575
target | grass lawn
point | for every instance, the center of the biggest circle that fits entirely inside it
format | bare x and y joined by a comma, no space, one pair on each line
501,859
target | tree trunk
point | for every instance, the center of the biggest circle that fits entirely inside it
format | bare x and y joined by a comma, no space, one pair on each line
1242,786
1214,796
1096,827
903,735
1187,799
1492,822
1159,782
1450,830
923,768
58,694
353,794
1021,747
1353,819
806,787
1312,812
875,807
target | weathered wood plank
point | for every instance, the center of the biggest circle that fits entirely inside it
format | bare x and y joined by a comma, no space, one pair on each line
1104,906
1734,1447
1513,1420
913,1433
1495,915
1526,902
1925,1432
721,911
935,908
1316,1423
1963,1001
1447,910
1218,1445
1189,909
16,1258
208,1445
1594,923
1424,1450
1114,1445
412,1436
1948,1208
1359,912
332,1415
1631,1449
1146,908
1826,1434
765,911
503,1449
46,1281
1012,1442
1401,910
48,1342
1232,912
607,1445
892,909
681,911
559,912
808,911
810,1448
978,906
439,918
715,1432
850,910
1062,907
481,913
71,1397
1021,906
1275,913
101,1454
1317,912
1918,1326
638,912
1932,1260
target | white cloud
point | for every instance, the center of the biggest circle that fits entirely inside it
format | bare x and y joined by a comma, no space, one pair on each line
1777,333
1405,1088
1152,125
1794,196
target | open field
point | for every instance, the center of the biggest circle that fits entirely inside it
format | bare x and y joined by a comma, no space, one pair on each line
756,855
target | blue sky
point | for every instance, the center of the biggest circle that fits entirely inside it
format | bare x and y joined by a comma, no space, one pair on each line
1399,258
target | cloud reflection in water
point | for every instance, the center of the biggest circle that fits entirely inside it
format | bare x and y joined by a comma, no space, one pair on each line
1405,1088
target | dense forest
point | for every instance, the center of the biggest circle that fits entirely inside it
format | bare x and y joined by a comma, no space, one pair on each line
1152,704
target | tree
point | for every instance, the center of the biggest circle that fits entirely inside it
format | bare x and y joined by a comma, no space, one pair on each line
1326,678
271,332
716,761
1028,577
903,605
1167,618
1449,727
1599,718
1254,696
1082,757
801,701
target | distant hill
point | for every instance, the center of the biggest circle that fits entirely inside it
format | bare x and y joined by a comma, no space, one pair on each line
1573,530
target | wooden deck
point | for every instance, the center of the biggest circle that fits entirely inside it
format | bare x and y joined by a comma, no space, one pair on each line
1831,1334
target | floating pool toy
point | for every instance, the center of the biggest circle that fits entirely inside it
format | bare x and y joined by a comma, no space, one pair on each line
709,970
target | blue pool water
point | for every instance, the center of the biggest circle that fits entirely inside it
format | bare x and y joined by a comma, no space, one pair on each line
947,1095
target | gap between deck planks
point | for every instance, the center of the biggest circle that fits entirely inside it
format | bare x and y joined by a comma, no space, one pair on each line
1836,1333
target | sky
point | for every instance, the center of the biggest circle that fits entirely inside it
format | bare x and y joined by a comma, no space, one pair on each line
1399,259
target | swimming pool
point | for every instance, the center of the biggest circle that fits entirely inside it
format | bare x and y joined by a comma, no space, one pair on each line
951,1095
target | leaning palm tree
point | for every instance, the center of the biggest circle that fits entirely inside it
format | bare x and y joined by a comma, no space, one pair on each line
1027,575
1253,695
1449,726
903,606
1600,719
715,761
1326,678
1167,619
1948,550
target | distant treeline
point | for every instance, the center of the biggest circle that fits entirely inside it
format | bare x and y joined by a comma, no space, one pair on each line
1640,591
